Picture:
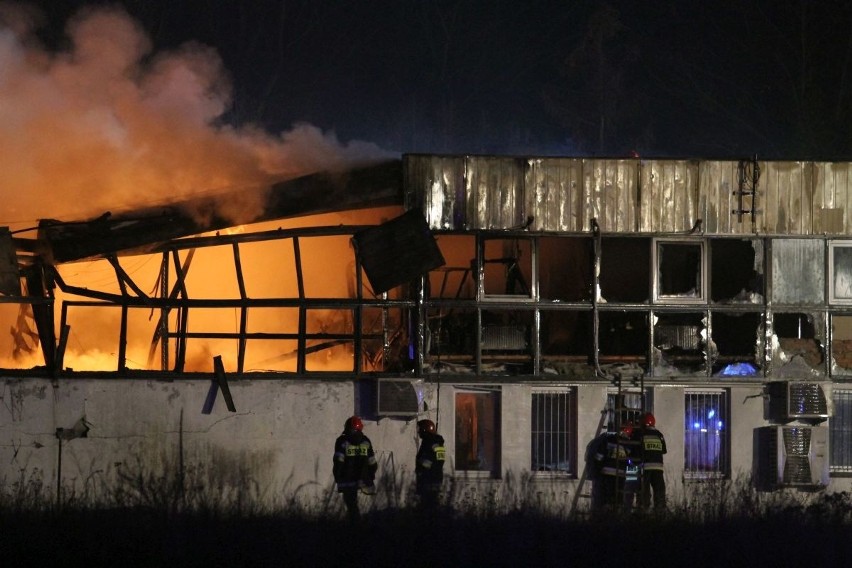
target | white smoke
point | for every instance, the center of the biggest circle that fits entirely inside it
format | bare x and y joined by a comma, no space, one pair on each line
106,124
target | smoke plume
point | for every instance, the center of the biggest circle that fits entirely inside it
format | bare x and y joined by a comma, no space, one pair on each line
106,124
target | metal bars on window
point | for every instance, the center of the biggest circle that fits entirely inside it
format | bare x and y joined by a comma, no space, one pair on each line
840,433
706,447
554,432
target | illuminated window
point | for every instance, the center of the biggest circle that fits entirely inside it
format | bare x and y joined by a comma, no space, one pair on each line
840,433
554,432
705,442
680,273
477,436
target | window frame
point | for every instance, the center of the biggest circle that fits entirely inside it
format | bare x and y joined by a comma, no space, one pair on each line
494,469
723,471
844,469
532,293
656,256
832,295
569,423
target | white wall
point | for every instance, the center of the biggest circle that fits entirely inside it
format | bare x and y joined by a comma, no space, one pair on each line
279,442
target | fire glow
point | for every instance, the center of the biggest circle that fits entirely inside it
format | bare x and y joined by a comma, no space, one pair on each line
109,125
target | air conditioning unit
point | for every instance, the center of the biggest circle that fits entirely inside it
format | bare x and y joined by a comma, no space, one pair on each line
793,456
399,397
799,400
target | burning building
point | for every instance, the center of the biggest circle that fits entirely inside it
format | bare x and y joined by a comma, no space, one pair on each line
525,304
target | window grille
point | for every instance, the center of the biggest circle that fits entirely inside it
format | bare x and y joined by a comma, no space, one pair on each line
554,432
630,409
840,432
705,446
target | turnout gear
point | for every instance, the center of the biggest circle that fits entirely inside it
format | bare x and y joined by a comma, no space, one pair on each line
355,465
653,447
429,464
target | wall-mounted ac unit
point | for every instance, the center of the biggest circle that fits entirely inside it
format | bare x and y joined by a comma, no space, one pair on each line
399,397
799,400
793,456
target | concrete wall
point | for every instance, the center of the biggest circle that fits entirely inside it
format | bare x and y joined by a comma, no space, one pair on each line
276,449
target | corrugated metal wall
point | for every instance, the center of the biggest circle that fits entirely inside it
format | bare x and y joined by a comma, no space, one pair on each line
628,195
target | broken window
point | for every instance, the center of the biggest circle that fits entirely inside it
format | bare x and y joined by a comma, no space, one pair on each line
477,433
841,344
566,333
840,272
624,269
623,336
329,339
737,269
506,341
736,336
507,267
455,279
706,452
553,445
797,340
450,336
385,339
679,344
565,268
680,274
840,432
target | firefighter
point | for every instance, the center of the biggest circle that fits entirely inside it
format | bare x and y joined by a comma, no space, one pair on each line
429,466
617,467
653,446
354,465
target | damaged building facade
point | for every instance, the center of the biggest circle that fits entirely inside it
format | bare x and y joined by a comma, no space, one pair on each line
526,305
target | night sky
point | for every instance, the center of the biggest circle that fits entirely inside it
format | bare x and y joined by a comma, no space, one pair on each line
674,78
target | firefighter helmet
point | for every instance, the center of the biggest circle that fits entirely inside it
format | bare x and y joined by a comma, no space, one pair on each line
627,429
648,420
353,424
424,426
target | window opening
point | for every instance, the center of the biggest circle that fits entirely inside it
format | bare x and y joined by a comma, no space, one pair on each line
840,432
736,337
454,280
798,344
507,267
679,271
624,269
554,432
737,266
841,345
565,268
705,445
624,407
679,344
840,272
477,433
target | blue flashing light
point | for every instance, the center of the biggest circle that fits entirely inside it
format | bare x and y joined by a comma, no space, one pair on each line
696,425
712,413
739,370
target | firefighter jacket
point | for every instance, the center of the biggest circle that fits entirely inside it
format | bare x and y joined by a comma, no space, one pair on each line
618,456
429,463
354,461
653,446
